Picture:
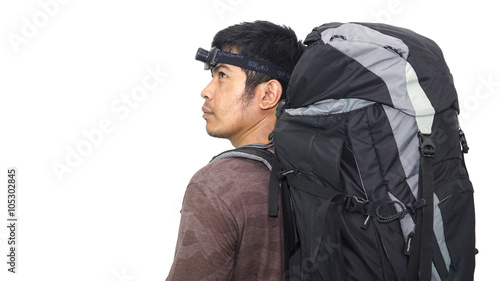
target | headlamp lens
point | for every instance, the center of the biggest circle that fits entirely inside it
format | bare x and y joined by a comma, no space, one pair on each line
207,57
202,55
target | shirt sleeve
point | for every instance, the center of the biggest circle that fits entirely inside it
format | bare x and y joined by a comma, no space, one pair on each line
207,239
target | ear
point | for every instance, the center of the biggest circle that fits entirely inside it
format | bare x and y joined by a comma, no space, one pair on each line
271,94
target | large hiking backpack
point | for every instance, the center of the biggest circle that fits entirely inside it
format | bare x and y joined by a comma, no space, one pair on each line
369,146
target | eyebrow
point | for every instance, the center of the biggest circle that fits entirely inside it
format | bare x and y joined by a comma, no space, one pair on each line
219,66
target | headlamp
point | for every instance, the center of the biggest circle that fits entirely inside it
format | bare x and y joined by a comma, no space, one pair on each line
214,56
207,57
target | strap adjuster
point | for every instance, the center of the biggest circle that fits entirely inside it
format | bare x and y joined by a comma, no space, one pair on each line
355,204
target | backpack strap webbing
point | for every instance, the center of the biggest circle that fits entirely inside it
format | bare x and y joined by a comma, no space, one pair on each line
421,253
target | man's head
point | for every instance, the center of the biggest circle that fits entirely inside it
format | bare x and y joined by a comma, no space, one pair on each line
240,103
261,40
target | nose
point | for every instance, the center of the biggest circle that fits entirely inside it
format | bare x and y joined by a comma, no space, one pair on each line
208,92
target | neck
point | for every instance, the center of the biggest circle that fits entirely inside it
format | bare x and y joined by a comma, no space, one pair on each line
259,133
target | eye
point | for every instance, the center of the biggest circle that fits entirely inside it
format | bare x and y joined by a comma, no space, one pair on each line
222,74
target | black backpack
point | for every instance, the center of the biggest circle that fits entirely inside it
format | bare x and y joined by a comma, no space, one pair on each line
369,147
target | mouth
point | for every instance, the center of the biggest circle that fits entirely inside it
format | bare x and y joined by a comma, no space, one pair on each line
206,112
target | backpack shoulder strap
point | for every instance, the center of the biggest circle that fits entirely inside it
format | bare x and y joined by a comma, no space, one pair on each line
263,154
253,152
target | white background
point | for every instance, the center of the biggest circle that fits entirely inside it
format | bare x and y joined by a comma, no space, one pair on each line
113,214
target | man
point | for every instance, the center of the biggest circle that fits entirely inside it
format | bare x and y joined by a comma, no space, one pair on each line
225,232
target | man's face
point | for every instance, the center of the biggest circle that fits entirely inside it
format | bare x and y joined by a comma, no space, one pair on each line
226,111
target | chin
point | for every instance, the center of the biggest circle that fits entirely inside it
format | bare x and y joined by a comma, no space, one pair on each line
217,133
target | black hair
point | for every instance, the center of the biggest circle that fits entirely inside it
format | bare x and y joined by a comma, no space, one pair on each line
261,40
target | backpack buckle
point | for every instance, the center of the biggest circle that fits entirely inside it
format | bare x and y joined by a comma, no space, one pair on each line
427,147
355,204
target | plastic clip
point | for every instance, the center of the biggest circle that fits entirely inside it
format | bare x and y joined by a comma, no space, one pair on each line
427,146
463,141
419,204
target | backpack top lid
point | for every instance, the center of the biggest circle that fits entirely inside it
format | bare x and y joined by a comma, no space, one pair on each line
376,62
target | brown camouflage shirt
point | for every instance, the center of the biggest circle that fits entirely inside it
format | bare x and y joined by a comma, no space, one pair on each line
225,232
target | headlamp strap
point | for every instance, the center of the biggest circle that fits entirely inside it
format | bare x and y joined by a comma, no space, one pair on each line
253,64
